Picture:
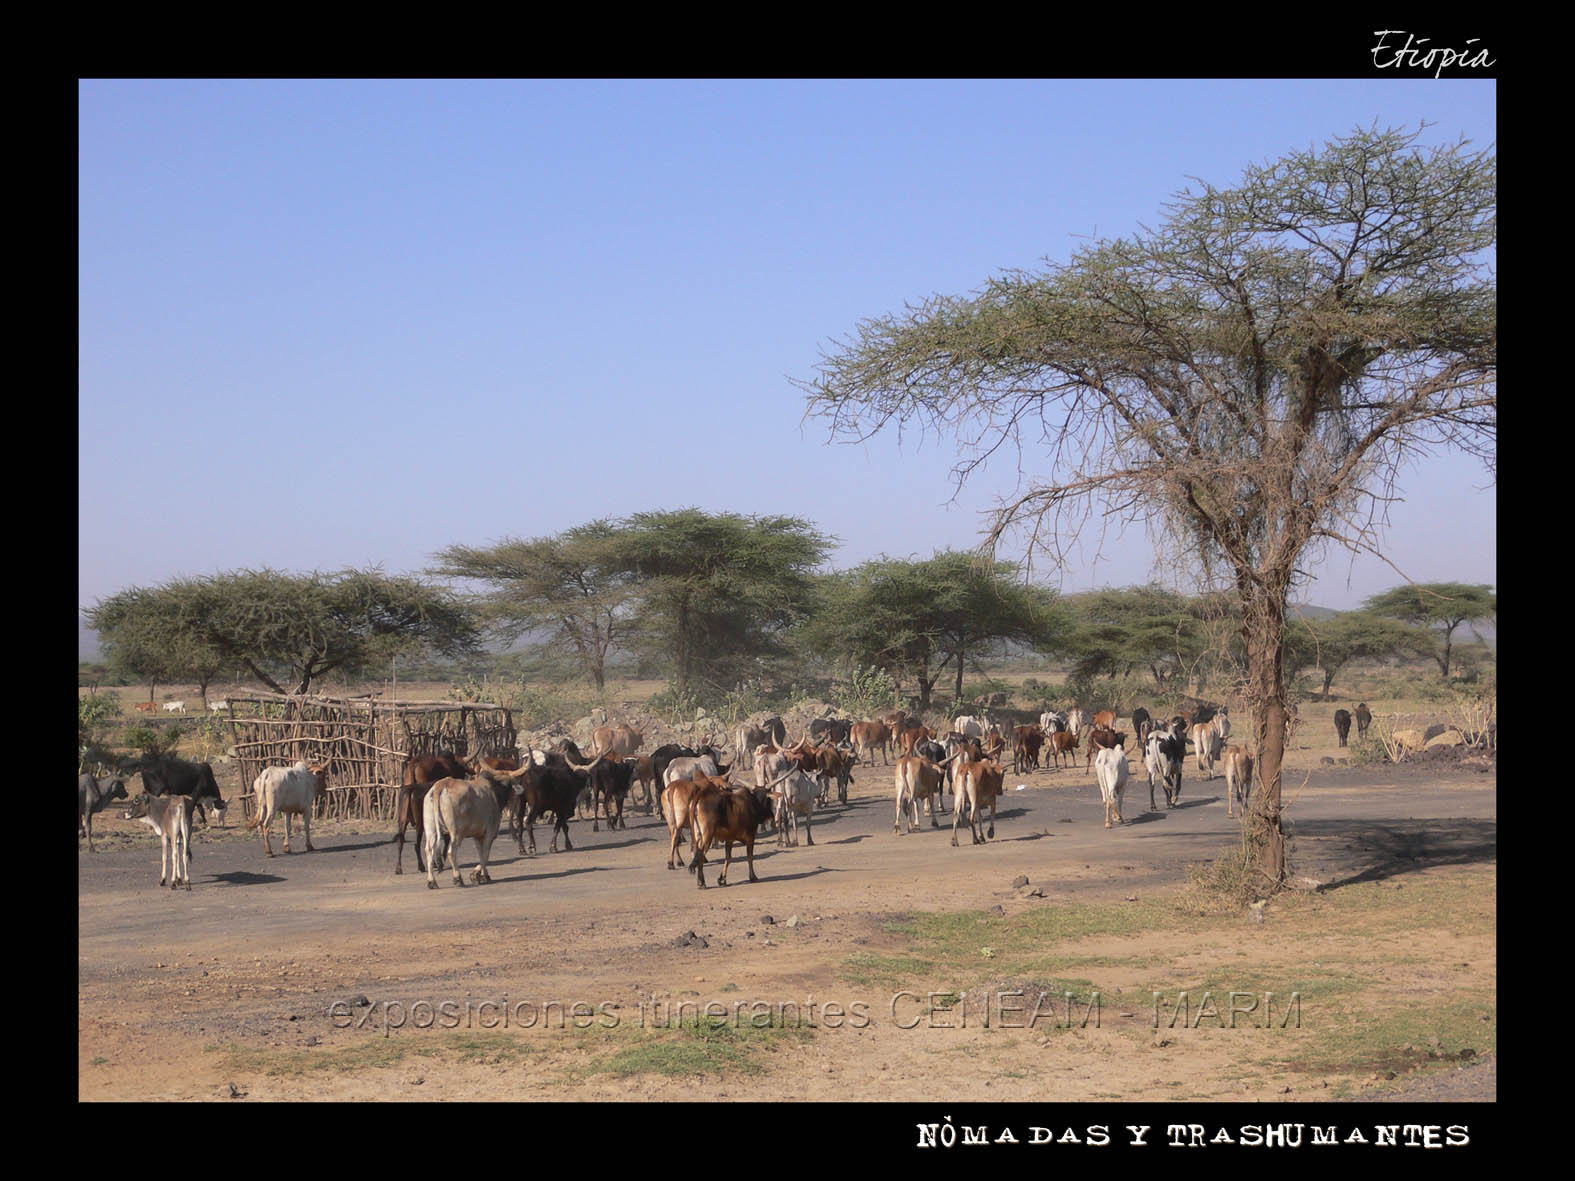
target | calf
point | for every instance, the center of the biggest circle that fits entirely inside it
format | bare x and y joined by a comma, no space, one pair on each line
94,795
1342,724
461,808
980,784
174,707
421,772
162,775
288,791
1025,749
1110,769
170,817
1238,778
1063,742
917,779
728,816
1364,719
645,776
144,707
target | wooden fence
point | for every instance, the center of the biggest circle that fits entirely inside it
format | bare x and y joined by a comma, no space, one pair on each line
365,743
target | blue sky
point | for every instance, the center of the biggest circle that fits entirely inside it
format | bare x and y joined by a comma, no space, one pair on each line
363,320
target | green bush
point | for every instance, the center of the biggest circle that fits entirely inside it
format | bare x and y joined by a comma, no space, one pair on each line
867,692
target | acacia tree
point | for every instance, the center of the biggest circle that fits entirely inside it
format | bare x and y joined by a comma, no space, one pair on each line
297,626
1441,605
573,587
1331,644
717,591
145,634
1148,626
919,618
1250,375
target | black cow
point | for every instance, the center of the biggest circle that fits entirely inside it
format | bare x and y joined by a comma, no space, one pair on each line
777,728
833,730
551,786
93,796
1142,723
1342,723
662,756
1364,719
610,780
162,775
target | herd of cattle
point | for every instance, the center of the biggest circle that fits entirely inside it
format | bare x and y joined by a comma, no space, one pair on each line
447,799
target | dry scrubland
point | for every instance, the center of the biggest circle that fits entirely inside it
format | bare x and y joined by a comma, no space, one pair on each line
186,995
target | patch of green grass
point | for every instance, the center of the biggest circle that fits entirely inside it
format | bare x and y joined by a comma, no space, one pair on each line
98,1062
489,1049
1362,1041
698,1046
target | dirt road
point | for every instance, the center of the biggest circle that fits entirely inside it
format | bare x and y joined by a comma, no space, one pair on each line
236,983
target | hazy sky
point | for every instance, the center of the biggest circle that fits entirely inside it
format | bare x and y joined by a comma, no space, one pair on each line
359,321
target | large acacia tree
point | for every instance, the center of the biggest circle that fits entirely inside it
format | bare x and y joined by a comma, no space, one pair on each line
717,592
1443,606
572,590
920,619
297,627
1250,376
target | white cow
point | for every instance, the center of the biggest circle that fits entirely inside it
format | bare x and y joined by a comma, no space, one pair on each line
1110,769
969,726
461,808
1207,744
174,707
291,791
170,817
795,795
1077,720
218,706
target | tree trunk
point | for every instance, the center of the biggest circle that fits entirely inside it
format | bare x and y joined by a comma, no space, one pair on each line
1263,631
958,696
1328,677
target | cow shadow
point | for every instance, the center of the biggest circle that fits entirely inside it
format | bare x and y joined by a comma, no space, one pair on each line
1144,817
357,848
241,877
786,877
542,877
851,840
1198,802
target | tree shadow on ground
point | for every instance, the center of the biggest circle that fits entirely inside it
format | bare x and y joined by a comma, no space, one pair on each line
1345,852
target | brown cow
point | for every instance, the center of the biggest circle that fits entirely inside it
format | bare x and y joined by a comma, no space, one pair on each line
917,779
677,809
421,772
867,736
621,740
909,734
728,816
1026,743
833,763
145,707
980,784
1105,719
1102,738
1238,778
1063,742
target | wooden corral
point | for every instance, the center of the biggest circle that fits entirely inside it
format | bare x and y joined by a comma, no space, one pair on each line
365,742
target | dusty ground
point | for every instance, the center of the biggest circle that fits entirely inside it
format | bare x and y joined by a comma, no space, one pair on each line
301,976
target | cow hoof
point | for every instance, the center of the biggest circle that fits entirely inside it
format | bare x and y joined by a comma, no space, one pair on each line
431,885
188,885
398,870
